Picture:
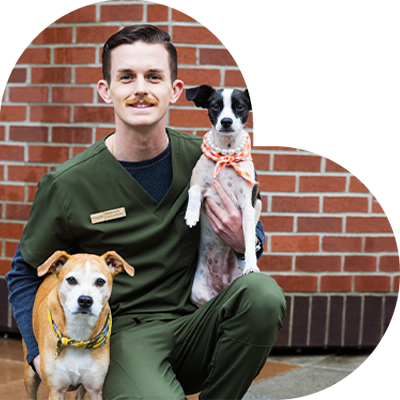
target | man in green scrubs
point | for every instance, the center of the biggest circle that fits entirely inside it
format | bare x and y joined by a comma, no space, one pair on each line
128,193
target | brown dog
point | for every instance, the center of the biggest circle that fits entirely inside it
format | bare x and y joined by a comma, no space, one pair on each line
72,323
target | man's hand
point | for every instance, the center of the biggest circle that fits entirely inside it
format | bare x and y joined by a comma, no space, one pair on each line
226,222
36,363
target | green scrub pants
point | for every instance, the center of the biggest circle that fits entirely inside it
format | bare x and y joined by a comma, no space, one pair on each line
218,350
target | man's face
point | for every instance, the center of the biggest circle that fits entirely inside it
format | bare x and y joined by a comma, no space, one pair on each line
140,88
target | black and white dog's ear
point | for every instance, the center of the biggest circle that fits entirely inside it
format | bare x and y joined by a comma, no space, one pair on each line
258,98
200,95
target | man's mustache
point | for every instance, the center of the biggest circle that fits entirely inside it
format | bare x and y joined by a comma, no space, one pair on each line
141,99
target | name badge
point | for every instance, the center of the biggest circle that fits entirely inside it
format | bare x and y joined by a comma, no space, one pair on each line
108,215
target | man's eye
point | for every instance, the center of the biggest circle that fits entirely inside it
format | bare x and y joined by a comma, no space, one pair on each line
72,281
154,77
100,282
125,77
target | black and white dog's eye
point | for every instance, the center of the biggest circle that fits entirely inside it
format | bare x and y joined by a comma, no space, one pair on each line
239,107
72,281
100,282
215,107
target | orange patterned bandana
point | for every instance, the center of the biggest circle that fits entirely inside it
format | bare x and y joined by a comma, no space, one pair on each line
233,160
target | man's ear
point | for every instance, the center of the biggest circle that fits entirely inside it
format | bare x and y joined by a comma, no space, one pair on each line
258,98
200,95
104,91
177,89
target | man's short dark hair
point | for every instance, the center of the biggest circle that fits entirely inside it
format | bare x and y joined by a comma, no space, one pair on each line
145,33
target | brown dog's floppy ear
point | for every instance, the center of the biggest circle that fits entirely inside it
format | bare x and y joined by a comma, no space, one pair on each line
258,98
200,95
57,260
117,263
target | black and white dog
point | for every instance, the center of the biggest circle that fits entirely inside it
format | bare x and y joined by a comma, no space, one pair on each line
226,156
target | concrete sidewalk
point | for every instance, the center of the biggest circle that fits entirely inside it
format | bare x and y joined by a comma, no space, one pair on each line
283,377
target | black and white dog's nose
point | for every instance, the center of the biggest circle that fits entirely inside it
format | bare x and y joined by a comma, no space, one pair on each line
85,301
226,122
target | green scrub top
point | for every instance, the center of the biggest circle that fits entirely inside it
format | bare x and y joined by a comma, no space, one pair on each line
153,237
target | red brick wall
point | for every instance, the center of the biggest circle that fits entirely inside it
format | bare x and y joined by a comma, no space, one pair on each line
329,244
386,81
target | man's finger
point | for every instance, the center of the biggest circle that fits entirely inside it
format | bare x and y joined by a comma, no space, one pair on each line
226,200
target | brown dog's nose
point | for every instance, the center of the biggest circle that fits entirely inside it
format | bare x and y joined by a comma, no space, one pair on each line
85,301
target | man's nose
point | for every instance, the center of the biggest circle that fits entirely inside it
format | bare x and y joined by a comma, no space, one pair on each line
141,87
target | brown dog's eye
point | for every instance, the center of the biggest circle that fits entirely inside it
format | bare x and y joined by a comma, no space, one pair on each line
100,282
71,280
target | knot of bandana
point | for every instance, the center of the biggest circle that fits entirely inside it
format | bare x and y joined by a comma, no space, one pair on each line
99,341
232,160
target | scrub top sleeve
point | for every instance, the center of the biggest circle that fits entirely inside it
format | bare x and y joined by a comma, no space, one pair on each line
47,229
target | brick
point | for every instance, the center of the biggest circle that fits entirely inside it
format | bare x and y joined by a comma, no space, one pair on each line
330,20
76,150
275,59
357,186
196,76
389,264
299,80
51,75
323,143
372,283
373,244
184,12
341,82
305,40
339,164
385,154
390,86
125,12
292,283
386,192
72,94
56,154
327,61
291,162
261,162
352,321
18,75
1,177
294,243
188,118
2,133
10,248
18,211
341,244
390,305
83,14
29,94
251,37
88,75
273,141
32,192
340,123
385,64
54,35
319,224
336,283
157,12
95,34
36,15
368,225
101,132
269,17
295,204
240,78
322,184
385,108
13,36
193,34
51,113
94,114
335,321
12,153
216,57
277,223
12,193
35,55
28,133
13,113
345,204
26,173
342,41
318,321
11,230
300,321
224,14
75,55
325,102
72,135
276,183
298,122
376,207
186,55
360,263
275,263
385,19
372,326
318,263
